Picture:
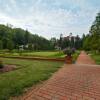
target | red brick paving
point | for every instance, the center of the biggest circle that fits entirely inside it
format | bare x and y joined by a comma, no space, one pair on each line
80,81
85,59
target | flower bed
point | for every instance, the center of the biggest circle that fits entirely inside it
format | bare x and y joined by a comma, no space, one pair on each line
7,68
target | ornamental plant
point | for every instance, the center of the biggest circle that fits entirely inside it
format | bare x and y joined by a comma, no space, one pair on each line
69,51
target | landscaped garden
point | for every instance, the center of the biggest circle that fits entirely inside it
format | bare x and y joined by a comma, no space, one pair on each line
28,59
27,73
55,55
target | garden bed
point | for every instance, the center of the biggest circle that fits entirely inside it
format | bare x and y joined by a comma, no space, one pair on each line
7,68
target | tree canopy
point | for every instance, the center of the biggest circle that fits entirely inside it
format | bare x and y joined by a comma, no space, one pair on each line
92,40
12,38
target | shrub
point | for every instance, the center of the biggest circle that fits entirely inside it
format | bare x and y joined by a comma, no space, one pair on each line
69,51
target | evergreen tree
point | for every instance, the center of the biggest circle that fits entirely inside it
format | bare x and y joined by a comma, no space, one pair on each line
87,43
95,34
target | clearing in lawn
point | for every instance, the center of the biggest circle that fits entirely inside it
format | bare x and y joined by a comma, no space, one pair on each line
28,73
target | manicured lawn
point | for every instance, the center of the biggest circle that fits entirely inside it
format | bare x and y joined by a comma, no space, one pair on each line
44,54
47,54
50,54
96,57
29,73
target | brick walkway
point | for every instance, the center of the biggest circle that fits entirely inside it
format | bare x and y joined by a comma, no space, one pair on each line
80,81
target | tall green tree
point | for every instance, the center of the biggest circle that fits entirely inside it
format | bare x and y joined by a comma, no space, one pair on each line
10,45
1,45
87,43
27,37
92,40
19,36
95,34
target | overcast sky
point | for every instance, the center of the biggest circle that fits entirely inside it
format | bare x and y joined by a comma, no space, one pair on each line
49,18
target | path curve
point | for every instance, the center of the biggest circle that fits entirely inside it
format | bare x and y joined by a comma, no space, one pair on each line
80,81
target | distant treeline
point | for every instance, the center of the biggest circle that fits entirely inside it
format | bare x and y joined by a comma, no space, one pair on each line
13,38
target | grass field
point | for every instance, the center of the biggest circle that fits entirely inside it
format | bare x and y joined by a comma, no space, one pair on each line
49,54
29,73
45,54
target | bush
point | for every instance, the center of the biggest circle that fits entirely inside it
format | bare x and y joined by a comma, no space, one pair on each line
69,51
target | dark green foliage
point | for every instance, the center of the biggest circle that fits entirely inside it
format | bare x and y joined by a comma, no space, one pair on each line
30,46
92,41
27,37
87,42
96,57
1,45
18,37
5,35
10,45
72,42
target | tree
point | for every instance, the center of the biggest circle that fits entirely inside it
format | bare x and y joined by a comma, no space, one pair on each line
27,37
60,41
1,44
20,37
30,46
92,40
95,33
53,42
78,43
10,45
87,43
5,34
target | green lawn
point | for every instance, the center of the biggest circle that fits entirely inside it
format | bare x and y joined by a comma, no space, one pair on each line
55,54
29,73
96,57
47,54
50,54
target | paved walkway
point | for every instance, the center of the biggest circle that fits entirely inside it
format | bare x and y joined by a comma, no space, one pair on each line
80,81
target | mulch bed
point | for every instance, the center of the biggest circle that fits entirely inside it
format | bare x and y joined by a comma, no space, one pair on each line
7,68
